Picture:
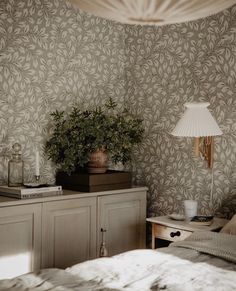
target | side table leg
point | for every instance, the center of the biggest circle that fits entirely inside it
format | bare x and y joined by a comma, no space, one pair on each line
153,237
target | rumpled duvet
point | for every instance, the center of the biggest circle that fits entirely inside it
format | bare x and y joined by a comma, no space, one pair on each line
145,270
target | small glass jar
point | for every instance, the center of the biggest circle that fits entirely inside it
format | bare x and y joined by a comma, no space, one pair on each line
15,167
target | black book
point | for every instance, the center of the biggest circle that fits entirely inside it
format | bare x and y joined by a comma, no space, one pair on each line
202,220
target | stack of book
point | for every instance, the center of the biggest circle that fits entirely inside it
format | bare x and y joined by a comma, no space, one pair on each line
202,220
25,193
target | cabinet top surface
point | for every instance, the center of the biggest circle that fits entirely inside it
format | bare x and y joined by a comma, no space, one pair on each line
185,225
67,194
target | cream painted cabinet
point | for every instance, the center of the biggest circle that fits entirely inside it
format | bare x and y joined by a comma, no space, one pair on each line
69,232
20,240
64,230
123,217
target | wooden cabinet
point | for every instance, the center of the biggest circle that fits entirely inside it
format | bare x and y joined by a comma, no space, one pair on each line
69,232
61,231
20,240
123,217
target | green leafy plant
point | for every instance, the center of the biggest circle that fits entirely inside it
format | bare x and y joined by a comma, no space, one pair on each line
80,132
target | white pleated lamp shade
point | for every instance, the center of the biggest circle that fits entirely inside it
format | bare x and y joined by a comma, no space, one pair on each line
197,121
157,12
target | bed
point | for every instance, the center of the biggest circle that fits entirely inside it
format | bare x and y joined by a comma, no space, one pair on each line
204,261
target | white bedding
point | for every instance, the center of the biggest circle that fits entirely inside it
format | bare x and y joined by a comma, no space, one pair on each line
135,270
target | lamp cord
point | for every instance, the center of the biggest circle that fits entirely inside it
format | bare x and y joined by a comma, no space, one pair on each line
211,193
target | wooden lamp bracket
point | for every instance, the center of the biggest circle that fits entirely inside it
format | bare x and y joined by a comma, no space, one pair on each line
204,146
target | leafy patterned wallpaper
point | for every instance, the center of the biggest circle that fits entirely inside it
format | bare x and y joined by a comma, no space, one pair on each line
52,56
166,67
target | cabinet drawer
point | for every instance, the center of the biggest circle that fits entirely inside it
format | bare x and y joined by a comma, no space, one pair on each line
170,233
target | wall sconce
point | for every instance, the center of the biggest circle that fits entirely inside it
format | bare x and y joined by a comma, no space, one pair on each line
198,122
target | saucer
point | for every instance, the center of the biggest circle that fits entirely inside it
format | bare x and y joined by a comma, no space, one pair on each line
35,185
176,216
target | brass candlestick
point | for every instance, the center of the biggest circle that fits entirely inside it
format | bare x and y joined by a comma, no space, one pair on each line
37,178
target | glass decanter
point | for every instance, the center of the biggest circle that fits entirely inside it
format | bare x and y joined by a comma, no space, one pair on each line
15,167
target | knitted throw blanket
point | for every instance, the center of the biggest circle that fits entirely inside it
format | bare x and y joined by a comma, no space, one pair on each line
217,244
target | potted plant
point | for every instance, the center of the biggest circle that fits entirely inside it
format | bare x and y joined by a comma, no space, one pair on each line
84,138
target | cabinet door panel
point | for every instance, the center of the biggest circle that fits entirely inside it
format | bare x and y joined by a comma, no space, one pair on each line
20,240
69,232
123,216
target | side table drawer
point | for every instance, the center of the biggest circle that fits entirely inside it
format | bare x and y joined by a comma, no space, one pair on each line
170,233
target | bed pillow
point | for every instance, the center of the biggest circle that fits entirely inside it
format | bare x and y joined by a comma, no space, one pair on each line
230,226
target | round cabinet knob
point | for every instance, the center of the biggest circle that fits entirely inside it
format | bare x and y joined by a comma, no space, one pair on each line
173,234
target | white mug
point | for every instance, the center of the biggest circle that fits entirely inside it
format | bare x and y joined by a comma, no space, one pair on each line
190,208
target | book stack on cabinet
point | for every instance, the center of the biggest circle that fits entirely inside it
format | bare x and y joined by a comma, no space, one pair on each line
32,192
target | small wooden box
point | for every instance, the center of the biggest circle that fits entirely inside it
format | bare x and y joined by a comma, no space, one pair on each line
85,182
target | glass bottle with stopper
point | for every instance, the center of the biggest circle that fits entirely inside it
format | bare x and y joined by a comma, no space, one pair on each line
15,167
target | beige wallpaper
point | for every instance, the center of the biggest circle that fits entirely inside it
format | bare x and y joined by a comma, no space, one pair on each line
167,67
52,56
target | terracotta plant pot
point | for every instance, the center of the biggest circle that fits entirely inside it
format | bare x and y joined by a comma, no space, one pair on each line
98,162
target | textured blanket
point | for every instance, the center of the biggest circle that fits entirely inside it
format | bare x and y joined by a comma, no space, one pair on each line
218,244
138,270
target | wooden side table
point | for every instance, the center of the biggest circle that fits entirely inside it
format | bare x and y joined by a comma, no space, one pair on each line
173,230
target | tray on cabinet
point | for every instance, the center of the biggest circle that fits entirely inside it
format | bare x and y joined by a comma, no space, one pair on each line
86,182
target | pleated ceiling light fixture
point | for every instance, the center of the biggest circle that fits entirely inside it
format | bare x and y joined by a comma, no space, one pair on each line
198,122
156,12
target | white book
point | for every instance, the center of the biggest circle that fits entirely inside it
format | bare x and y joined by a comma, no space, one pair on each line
39,195
32,195
18,191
